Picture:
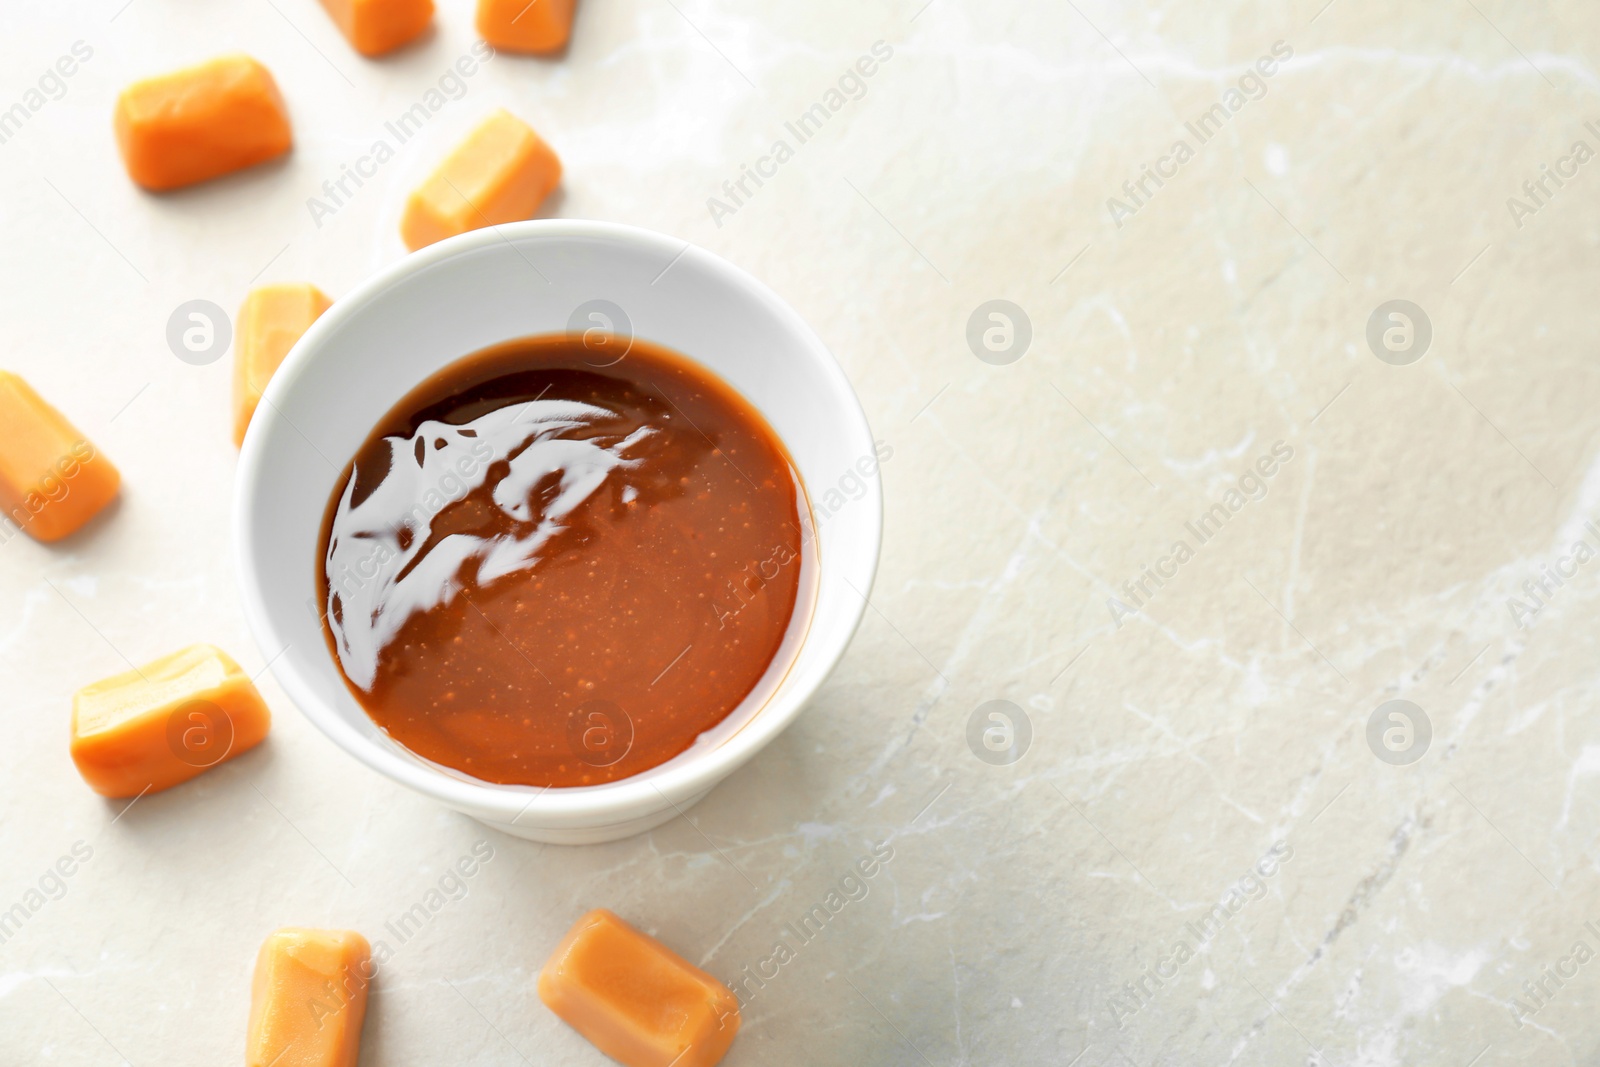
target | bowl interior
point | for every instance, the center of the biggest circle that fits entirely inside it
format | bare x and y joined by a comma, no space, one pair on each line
491,286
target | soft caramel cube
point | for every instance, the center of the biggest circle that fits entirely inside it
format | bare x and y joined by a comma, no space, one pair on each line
374,27
538,27
270,322
201,122
52,480
308,999
164,723
638,1001
500,173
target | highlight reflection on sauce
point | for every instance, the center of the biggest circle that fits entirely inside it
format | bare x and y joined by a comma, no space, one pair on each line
544,572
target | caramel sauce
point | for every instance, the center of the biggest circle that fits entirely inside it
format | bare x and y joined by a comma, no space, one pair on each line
545,567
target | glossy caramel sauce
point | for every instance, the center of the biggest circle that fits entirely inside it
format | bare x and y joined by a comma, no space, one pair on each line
548,568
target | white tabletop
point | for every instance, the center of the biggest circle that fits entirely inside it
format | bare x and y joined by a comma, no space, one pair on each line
1200,740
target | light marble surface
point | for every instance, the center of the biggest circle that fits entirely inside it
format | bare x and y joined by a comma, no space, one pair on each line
1169,754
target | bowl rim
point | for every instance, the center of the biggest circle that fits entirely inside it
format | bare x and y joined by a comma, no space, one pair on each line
571,806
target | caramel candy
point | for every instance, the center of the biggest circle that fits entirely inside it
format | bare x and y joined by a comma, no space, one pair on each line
375,27
308,999
537,27
52,480
164,723
270,322
500,173
638,1001
201,122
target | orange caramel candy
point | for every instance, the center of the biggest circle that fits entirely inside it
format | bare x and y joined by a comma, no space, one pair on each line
501,173
308,999
537,27
166,722
635,999
270,322
200,123
374,27
52,480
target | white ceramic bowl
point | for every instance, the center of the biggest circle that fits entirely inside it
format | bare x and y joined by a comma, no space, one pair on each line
493,285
